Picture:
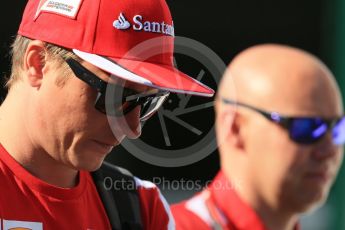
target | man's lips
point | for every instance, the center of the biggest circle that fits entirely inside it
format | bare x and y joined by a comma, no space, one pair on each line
319,176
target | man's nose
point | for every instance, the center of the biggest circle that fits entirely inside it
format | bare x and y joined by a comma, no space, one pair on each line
132,126
325,148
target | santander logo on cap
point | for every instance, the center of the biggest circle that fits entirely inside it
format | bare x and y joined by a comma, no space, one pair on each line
121,23
139,24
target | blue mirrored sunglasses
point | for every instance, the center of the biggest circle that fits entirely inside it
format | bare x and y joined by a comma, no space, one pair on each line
303,130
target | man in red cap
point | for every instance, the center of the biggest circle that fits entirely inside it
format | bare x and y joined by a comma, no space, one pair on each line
85,74
281,130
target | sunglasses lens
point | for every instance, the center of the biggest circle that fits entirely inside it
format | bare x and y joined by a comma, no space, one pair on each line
338,132
152,105
307,130
149,104
100,103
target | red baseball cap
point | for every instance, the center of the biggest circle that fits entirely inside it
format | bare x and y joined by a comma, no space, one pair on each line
131,39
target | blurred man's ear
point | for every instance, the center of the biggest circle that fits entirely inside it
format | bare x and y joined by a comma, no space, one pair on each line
229,128
224,119
34,62
236,132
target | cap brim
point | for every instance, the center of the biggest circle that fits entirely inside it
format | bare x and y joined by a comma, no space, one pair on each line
155,75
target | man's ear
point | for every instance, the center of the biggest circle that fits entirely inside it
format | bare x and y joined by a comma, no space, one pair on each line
229,128
34,62
236,132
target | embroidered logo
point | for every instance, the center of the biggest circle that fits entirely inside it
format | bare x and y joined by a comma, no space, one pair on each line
121,23
67,8
139,24
21,225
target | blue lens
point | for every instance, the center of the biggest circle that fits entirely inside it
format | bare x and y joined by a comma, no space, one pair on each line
307,130
338,132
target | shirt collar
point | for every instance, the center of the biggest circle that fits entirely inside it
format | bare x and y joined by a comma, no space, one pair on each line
237,213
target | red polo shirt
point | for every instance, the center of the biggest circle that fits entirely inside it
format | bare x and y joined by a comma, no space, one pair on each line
26,202
217,206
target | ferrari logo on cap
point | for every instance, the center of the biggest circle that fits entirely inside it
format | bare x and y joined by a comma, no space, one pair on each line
121,23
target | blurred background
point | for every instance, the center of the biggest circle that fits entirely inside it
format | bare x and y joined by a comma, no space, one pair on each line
226,28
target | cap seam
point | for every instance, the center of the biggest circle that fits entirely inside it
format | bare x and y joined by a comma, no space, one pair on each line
96,26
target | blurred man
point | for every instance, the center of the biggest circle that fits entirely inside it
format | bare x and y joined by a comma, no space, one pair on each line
281,137
61,117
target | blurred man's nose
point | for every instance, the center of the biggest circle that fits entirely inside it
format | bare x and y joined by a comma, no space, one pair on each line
325,148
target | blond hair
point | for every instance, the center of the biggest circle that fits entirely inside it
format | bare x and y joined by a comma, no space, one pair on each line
55,53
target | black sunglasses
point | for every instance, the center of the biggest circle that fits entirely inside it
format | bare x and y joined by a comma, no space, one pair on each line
303,130
123,99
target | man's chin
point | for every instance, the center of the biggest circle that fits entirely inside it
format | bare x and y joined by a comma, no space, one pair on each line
90,167
90,157
312,203
311,207
90,164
